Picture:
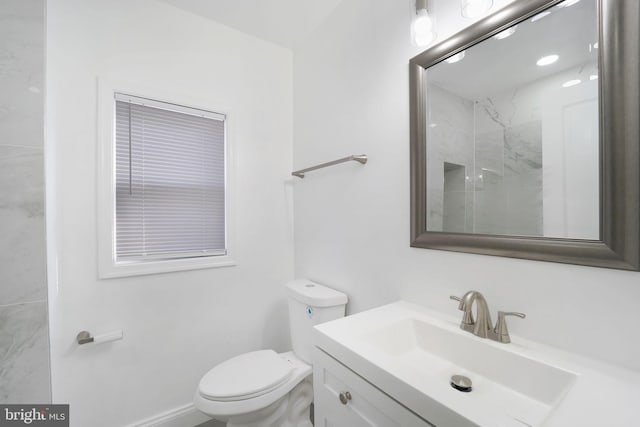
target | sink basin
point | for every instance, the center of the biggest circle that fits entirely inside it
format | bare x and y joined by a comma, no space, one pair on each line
412,355
508,388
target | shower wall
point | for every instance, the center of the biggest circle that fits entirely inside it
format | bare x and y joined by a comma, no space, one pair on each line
450,153
508,163
24,338
484,164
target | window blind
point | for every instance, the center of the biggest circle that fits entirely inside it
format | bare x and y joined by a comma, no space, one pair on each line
170,180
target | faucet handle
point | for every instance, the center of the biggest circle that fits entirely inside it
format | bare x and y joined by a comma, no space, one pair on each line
467,319
501,331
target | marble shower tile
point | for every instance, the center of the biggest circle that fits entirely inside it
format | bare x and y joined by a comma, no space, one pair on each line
454,200
24,354
450,140
21,122
523,179
448,109
523,148
21,72
22,249
490,211
489,156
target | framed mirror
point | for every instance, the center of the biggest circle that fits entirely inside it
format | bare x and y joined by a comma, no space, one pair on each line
525,137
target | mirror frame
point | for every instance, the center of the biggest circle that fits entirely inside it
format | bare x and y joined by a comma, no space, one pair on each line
619,127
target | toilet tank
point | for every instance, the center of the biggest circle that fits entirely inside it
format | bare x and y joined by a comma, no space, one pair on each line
311,304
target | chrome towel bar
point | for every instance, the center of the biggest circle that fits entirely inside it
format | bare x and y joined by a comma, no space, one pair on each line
362,158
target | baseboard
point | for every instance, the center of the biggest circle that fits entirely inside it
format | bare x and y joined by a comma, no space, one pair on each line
184,416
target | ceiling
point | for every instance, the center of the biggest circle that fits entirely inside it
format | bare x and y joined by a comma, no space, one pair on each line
284,22
494,66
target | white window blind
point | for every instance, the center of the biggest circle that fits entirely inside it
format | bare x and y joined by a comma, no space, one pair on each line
170,180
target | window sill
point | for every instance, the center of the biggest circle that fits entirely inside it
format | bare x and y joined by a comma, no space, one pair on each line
138,268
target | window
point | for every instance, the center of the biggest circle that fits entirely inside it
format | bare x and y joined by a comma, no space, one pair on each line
168,188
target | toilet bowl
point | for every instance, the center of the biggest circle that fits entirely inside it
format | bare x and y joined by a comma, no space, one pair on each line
266,389
256,388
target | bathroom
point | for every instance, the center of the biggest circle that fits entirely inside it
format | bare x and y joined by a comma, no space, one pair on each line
302,83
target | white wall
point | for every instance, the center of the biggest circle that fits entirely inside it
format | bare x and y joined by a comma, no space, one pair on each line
176,325
352,222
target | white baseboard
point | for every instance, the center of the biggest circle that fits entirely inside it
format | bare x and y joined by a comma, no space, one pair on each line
184,416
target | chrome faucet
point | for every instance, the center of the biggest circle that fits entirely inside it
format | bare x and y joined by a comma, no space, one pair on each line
482,326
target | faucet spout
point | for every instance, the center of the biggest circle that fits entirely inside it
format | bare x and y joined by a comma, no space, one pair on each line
482,326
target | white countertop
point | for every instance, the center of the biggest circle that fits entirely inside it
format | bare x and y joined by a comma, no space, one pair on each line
602,395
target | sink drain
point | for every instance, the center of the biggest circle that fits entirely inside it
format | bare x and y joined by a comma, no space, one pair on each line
461,383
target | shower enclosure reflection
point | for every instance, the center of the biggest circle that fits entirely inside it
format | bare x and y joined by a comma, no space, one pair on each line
512,130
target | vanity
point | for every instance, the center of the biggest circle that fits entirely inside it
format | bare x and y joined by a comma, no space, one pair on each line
524,138
393,365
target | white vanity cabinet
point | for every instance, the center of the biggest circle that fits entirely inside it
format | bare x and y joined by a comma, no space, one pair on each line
345,399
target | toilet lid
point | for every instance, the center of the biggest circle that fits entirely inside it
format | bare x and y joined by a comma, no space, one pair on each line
245,376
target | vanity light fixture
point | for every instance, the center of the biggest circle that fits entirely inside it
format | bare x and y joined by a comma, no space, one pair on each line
571,83
547,60
455,58
474,8
422,32
506,33
540,16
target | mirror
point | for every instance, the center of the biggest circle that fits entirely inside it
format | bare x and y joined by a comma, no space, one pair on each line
512,130
512,145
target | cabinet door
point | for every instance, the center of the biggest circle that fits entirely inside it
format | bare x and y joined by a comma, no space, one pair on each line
367,406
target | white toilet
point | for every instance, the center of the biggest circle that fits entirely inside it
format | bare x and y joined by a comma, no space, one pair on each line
267,389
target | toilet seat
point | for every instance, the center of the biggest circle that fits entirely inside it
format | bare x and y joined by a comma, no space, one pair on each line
245,376
227,408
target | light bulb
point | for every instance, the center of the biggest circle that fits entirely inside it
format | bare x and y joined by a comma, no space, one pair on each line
422,28
474,8
422,24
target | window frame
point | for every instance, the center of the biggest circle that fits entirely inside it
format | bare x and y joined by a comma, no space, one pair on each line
108,265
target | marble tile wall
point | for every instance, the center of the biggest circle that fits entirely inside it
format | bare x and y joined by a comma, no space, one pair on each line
495,161
508,192
454,199
24,337
450,130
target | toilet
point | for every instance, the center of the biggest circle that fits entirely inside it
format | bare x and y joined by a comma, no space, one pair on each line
266,389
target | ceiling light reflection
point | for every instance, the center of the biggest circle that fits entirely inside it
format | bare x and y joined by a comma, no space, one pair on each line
547,60
540,16
568,3
571,83
455,58
506,33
